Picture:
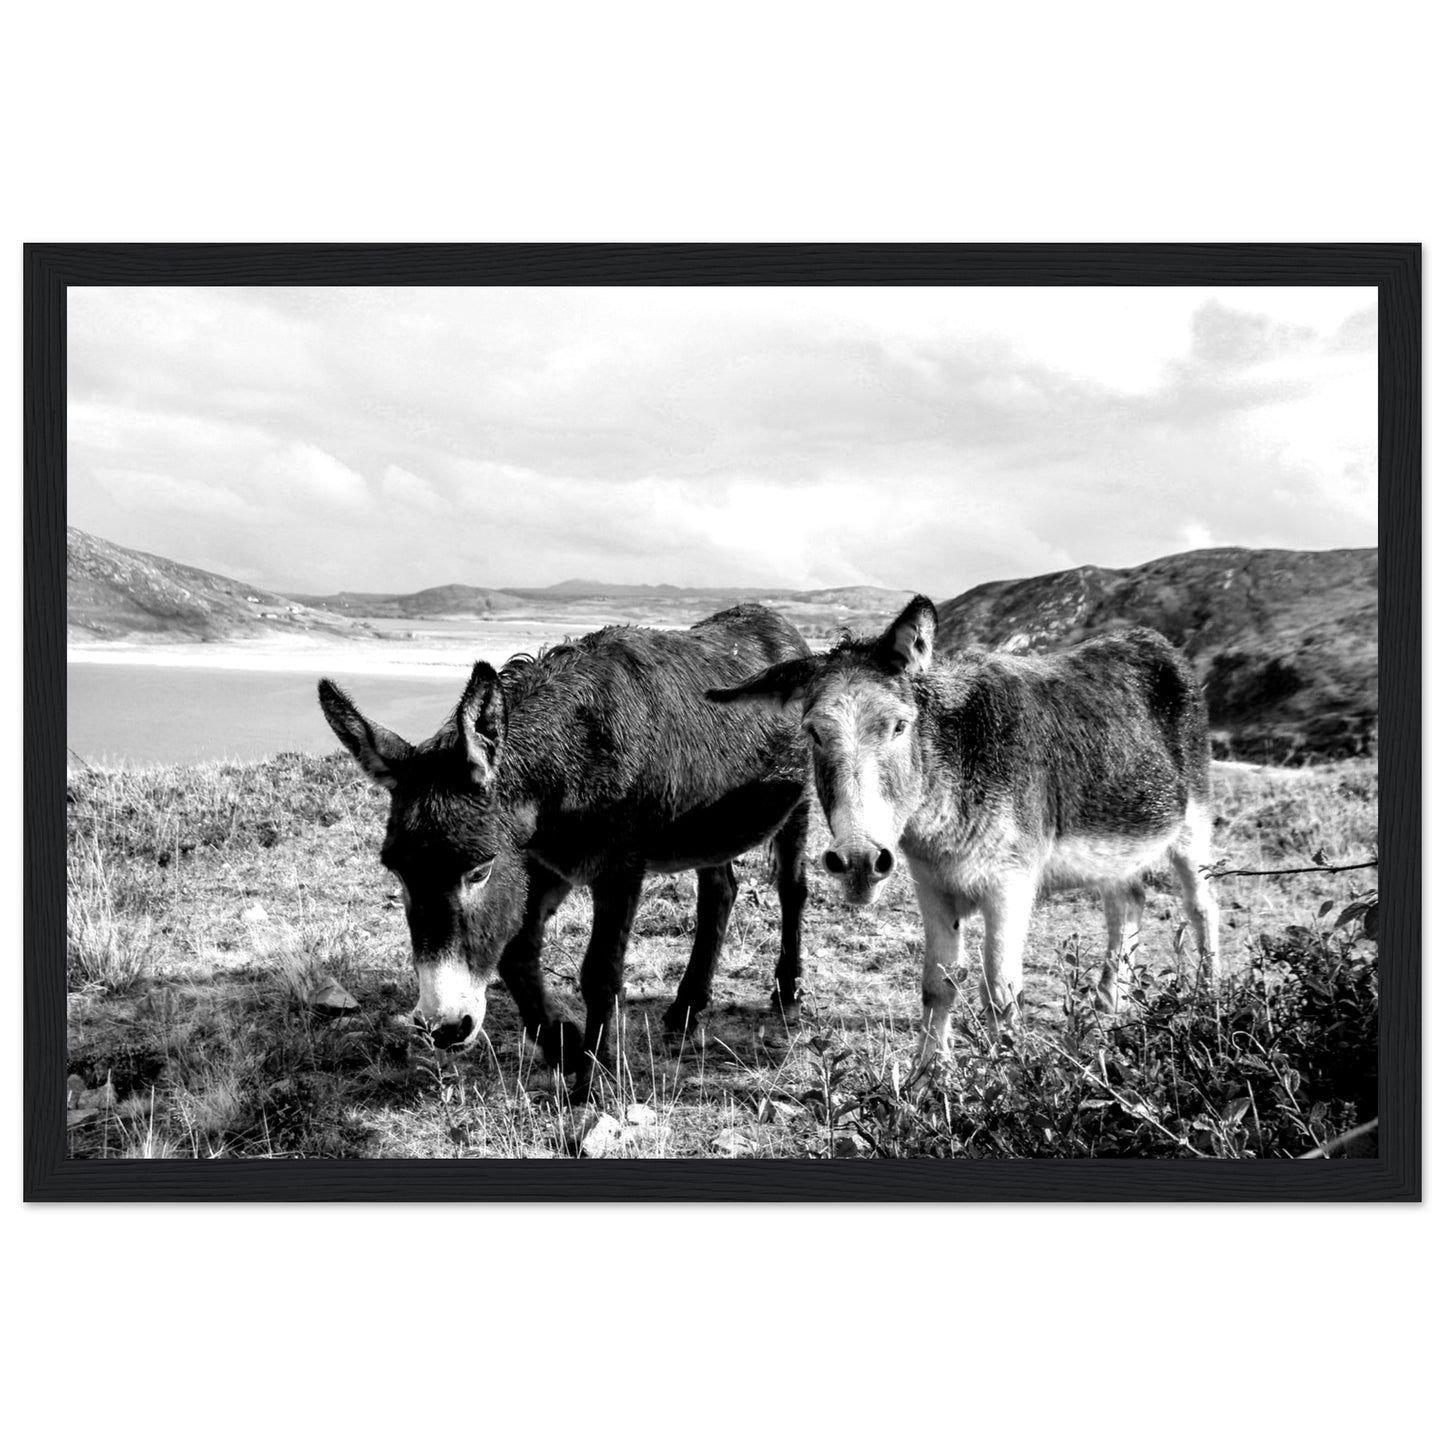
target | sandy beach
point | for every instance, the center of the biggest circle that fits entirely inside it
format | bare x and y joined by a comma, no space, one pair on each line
428,656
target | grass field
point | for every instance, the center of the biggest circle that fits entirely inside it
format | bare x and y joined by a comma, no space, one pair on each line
212,908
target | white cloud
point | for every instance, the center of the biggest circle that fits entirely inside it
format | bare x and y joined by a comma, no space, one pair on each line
917,437
407,490
302,474
141,491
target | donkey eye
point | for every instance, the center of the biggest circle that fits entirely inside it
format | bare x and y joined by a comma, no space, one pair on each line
900,727
475,877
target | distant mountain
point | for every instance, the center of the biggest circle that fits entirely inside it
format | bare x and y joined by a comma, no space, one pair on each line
587,604
862,599
1284,642
581,587
114,592
865,598
453,600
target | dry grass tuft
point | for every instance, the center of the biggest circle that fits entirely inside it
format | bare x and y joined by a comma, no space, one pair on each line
104,947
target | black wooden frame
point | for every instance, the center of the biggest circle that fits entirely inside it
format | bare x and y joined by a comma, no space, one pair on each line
1394,268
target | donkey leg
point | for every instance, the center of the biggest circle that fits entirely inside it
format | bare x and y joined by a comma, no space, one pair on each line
614,906
1123,912
520,968
790,862
942,944
1006,913
716,890
1191,865
1190,858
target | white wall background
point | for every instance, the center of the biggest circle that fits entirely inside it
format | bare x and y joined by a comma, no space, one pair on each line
745,122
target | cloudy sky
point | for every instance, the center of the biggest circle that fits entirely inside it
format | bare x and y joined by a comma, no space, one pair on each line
391,439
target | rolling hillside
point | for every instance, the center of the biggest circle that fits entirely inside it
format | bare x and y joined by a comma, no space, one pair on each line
1284,642
452,600
113,592
584,605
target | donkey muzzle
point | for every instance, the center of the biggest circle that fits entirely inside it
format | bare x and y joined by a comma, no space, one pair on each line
459,1034
861,870
450,1006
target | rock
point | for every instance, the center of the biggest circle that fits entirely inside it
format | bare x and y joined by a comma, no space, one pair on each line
603,1138
74,1117
734,1144
74,1088
849,1146
255,914
330,1000
101,1098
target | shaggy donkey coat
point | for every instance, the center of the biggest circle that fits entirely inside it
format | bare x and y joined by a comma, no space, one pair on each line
594,764
1000,777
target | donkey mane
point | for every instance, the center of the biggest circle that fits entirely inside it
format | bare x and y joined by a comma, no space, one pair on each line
523,673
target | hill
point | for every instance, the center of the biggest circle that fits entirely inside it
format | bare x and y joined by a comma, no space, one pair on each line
584,604
114,592
858,599
1284,642
451,600
585,587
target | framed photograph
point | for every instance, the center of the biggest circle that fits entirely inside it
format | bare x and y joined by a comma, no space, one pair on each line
722,722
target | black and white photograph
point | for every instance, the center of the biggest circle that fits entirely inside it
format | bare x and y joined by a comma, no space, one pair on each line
712,723
722,721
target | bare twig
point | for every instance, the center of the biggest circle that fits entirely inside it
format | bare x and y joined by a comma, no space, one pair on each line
1278,872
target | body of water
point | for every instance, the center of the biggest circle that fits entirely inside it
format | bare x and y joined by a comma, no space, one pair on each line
252,701
138,715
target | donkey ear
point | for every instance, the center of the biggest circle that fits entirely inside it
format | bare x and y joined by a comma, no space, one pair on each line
482,722
778,686
379,751
907,646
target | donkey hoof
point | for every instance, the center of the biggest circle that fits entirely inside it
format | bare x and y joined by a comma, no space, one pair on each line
682,1019
561,1043
588,1087
791,1011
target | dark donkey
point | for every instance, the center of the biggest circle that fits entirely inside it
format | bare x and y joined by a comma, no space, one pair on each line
1000,777
595,763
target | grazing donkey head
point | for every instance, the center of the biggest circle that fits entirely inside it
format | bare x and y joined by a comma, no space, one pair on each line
451,846
860,715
